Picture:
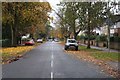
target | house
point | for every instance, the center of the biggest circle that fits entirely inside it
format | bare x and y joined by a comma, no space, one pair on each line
117,29
104,30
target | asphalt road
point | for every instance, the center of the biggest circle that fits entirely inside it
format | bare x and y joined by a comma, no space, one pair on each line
50,61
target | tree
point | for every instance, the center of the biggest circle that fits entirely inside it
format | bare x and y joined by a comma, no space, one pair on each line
24,18
92,13
89,16
69,18
62,24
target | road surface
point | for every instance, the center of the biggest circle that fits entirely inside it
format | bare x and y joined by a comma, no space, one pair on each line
50,61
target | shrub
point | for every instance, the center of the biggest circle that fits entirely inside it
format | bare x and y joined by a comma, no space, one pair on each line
101,38
5,42
92,37
115,39
81,37
85,37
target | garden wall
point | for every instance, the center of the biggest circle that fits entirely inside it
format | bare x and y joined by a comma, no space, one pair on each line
113,45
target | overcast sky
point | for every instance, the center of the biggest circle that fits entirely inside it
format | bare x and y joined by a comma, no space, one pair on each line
54,6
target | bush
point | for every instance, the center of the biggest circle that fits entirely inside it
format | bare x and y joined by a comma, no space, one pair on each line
81,37
101,38
5,42
92,37
115,39
85,37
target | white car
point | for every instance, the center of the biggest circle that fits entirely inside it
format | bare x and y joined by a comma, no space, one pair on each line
56,40
71,43
30,42
39,40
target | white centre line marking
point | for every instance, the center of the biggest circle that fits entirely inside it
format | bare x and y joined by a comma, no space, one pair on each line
52,57
52,64
51,75
52,48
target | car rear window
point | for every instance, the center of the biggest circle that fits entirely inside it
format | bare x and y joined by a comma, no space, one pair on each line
72,41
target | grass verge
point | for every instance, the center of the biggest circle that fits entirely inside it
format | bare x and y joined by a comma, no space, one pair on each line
14,53
99,58
98,54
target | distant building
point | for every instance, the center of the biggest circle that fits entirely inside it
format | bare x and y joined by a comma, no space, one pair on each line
117,29
104,30
114,28
118,24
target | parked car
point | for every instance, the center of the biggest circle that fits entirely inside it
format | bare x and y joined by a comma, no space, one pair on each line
56,40
30,42
71,43
50,40
40,40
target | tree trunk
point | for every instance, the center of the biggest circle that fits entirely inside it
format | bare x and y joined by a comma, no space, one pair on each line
15,27
75,35
12,36
108,38
74,29
88,44
88,28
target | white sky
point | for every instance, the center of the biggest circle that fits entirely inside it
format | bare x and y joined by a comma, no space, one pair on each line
54,6
53,3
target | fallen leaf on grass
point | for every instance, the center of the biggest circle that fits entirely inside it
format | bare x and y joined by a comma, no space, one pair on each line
104,66
14,53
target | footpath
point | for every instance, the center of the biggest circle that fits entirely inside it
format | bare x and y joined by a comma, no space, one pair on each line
103,49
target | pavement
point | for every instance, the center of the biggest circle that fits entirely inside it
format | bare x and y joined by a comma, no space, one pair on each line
100,48
50,61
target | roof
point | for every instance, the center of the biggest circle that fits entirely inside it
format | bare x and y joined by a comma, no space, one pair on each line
116,18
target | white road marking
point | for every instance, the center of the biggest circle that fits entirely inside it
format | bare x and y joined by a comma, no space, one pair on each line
52,48
52,64
51,75
52,57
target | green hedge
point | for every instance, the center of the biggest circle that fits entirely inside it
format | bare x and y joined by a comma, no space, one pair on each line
85,37
5,42
115,39
101,38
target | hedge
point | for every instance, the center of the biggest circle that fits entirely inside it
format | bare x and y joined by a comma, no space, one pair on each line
5,42
100,38
115,39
